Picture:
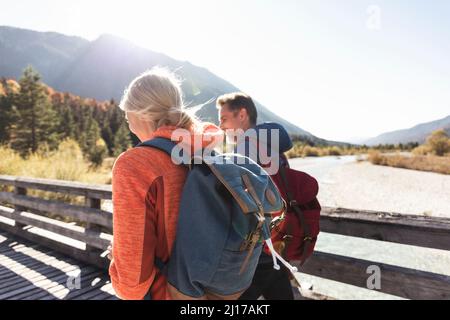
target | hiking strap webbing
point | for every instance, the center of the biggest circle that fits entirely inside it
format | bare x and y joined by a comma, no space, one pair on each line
159,143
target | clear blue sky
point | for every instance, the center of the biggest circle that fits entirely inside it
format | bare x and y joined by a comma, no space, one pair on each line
336,68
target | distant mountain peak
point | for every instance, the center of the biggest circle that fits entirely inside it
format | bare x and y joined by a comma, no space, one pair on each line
110,38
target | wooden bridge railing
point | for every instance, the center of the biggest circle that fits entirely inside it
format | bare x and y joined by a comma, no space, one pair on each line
93,228
421,231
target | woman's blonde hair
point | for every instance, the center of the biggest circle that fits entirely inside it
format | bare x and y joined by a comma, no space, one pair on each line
156,96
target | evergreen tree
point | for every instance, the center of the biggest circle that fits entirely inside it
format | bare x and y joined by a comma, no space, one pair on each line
122,140
93,146
6,98
116,135
66,126
105,124
35,119
108,137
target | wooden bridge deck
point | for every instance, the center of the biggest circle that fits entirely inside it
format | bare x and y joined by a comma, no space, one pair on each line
32,272
55,252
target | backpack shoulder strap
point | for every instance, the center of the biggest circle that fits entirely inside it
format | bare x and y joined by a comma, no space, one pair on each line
162,144
165,145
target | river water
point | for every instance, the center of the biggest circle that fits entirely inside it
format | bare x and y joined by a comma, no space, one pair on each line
431,260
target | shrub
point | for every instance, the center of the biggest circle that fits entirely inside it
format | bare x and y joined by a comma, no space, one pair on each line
375,157
439,142
311,151
421,150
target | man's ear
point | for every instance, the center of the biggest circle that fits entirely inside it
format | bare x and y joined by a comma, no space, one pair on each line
243,114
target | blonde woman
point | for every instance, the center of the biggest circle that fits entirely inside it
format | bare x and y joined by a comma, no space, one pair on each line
147,186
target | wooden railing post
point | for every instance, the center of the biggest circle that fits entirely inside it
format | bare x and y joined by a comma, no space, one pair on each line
19,191
94,203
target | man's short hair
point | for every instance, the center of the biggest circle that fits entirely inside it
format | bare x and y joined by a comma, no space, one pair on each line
237,101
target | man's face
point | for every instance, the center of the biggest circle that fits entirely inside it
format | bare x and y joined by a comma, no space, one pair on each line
229,119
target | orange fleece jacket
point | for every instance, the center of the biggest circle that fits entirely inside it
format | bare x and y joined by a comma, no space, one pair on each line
146,187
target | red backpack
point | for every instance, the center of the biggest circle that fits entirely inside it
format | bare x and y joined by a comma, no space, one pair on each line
294,232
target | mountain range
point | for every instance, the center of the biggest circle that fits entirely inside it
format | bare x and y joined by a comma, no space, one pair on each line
418,133
102,68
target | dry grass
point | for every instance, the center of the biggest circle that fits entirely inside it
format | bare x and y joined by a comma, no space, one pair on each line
66,163
428,162
421,150
301,150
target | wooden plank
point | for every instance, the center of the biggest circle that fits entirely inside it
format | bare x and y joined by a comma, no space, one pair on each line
11,273
25,248
85,285
12,251
91,237
38,294
81,213
21,256
22,260
90,295
60,291
26,268
21,280
87,275
65,249
19,259
42,282
103,296
17,246
108,288
35,251
8,276
100,191
398,281
429,232
29,267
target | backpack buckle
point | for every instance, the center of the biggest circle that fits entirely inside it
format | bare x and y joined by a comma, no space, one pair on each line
293,203
254,236
307,239
276,221
249,245
287,237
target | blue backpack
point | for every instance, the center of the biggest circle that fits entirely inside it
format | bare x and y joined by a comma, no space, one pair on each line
224,218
